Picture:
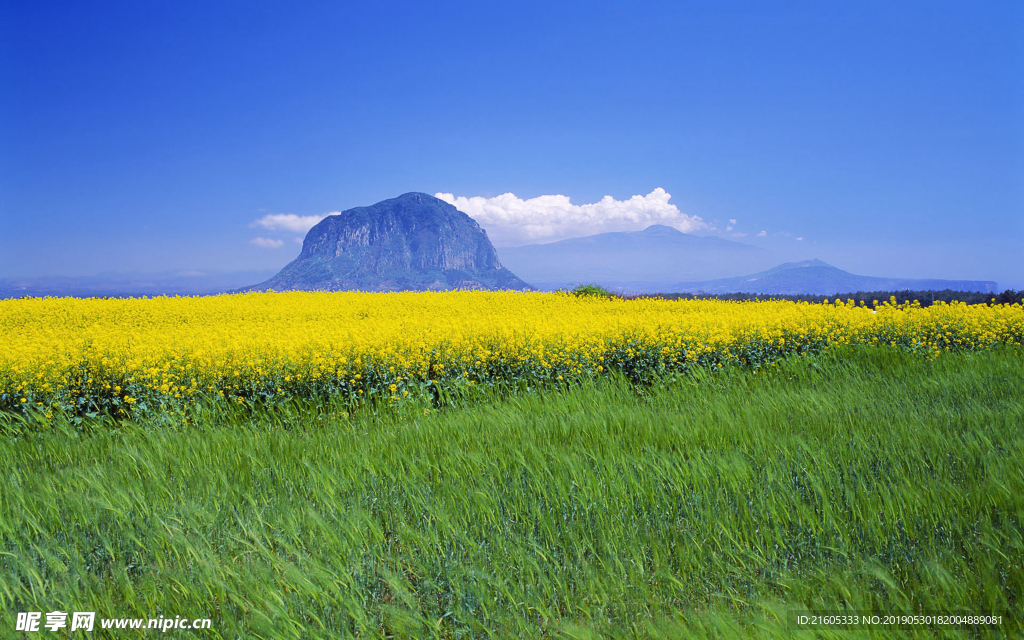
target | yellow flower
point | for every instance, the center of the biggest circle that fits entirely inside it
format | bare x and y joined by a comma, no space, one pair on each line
231,343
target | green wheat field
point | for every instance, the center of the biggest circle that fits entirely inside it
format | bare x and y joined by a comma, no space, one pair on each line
713,505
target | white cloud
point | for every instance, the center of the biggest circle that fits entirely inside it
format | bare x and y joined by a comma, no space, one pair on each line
289,222
729,228
762,234
510,220
800,238
732,221
267,243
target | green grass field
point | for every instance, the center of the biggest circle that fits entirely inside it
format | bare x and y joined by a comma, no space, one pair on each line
864,480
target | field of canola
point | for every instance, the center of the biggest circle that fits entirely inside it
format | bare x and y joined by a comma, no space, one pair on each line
136,356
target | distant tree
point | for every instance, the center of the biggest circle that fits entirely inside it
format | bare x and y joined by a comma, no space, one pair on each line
1010,296
592,290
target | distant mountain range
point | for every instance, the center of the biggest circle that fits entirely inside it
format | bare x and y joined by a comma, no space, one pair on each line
661,259
414,242
649,260
418,242
122,285
814,277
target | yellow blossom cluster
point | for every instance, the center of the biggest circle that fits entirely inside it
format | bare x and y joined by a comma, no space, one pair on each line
128,355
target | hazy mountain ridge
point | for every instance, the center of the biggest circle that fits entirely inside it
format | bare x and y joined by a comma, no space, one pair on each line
815,277
656,257
121,285
661,259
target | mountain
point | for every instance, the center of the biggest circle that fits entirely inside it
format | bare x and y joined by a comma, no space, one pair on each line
814,277
637,261
128,284
412,242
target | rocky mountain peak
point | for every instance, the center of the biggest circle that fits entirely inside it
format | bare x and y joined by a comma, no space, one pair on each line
412,242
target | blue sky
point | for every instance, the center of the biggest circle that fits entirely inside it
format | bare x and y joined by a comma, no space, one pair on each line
145,136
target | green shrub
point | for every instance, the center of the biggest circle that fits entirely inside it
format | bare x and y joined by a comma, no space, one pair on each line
592,290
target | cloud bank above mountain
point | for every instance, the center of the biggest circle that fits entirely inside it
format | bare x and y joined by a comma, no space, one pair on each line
285,224
511,221
289,222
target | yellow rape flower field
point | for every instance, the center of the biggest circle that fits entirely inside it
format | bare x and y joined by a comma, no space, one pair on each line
128,356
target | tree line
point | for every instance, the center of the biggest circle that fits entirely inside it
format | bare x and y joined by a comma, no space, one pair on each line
866,298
